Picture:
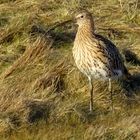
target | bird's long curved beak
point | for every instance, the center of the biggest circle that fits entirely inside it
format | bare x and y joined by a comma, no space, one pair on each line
68,21
73,20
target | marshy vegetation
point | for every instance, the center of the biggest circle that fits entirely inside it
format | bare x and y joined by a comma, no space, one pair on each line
42,94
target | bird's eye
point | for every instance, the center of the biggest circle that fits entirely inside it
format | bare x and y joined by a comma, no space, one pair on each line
82,16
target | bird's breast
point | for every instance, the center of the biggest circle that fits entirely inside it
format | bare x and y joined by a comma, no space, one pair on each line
89,61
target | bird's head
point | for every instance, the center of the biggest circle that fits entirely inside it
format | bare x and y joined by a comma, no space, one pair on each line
83,18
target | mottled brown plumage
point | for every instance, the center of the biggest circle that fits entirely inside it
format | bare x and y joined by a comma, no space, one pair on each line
95,56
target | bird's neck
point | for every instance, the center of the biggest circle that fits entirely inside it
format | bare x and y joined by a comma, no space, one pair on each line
84,34
86,28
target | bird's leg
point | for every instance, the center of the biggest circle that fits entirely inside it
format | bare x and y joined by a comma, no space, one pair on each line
111,95
91,93
110,88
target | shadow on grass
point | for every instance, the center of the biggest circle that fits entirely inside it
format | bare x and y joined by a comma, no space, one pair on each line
132,89
132,85
131,57
85,115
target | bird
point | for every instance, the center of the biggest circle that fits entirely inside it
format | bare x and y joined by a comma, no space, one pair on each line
96,56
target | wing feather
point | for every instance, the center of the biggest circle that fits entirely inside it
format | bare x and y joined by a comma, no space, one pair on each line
114,58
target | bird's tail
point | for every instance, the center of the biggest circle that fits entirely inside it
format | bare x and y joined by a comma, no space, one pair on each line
127,75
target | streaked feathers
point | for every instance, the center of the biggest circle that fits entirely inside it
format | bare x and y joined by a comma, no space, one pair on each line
95,55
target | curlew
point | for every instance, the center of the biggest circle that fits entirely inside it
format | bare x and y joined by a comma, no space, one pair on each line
94,55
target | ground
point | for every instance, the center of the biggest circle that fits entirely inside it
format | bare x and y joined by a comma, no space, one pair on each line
42,93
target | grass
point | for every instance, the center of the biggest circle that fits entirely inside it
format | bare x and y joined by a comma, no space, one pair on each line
42,94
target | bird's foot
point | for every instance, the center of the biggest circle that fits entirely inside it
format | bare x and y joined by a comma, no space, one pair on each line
91,110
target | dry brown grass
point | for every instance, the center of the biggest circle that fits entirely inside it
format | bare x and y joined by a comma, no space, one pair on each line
42,94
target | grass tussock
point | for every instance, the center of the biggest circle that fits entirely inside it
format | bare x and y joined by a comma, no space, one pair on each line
42,94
